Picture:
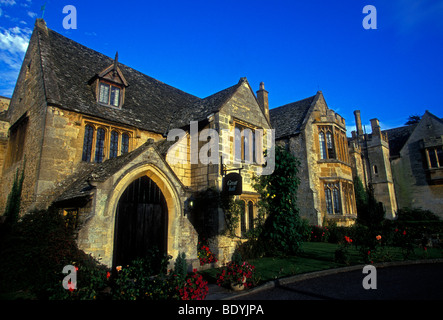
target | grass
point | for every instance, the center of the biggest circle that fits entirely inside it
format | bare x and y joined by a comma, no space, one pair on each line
316,256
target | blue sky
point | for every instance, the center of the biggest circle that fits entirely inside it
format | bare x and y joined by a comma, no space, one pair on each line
295,47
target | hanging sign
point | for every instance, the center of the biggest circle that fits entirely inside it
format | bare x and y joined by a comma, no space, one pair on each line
232,184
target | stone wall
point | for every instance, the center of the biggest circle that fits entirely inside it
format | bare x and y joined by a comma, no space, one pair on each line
4,127
412,185
28,100
61,155
380,174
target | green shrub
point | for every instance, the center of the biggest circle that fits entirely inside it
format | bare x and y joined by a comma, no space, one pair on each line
34,252
341,254
416,214
319,234
144,279
180,266
336,233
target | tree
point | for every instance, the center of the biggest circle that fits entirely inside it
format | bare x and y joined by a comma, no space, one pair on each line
361,196
370,212
281,228
412,119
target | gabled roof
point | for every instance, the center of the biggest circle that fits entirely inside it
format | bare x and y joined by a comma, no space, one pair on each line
149,104
288,119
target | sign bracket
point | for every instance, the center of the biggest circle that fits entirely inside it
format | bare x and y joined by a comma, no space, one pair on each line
223,169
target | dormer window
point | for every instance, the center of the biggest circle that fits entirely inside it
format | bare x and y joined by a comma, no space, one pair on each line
109,85
109,94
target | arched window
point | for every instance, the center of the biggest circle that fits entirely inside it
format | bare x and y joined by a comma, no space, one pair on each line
87,143
113,149
100,145
251,215
322,140
125,143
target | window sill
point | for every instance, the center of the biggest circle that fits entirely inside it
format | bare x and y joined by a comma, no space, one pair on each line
109,106
435,175
333,161
341,216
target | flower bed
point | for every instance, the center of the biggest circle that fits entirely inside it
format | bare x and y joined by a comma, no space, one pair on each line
236,274
204,253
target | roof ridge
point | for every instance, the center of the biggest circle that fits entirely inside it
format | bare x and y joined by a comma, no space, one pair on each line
292,103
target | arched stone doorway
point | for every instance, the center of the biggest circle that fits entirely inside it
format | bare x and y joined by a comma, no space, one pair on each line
141,221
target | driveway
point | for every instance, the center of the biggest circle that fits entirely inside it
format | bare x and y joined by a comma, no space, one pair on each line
417,281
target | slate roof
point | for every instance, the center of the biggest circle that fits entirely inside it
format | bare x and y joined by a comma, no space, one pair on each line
397,138
204,107
149,104
288,119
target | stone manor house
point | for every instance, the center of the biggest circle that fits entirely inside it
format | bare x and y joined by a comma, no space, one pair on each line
91,136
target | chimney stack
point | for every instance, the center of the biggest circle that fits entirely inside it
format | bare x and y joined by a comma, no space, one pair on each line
358,123
262,98
376,131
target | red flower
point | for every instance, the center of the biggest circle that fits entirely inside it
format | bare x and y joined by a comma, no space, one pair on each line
108,274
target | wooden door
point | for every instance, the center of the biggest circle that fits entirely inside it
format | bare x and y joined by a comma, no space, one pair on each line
141,221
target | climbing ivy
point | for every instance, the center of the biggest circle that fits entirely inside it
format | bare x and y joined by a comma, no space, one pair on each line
12,209
278,209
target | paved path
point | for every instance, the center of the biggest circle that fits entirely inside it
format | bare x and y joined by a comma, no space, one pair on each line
395,281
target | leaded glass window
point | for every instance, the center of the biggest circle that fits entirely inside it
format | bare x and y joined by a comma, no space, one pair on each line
125,143
322,140
332,198
100,145
113,149
87,143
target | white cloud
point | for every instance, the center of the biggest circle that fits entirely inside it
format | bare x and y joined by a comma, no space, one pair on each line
14,40
26,4
13,45
32,14
7,2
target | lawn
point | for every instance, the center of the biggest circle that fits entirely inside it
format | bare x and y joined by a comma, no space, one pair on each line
316,256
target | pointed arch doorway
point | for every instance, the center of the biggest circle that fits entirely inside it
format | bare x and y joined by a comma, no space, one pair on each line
141,221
